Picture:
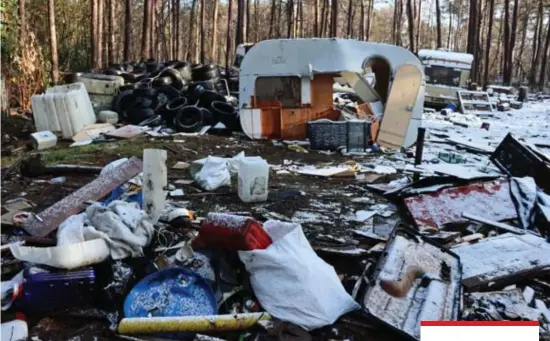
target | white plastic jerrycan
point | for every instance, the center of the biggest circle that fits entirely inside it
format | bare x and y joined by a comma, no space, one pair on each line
253,179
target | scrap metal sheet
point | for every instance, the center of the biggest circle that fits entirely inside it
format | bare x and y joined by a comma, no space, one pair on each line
490,200
426,300
503,259
50,218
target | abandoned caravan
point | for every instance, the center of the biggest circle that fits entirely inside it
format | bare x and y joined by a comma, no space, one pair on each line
286,83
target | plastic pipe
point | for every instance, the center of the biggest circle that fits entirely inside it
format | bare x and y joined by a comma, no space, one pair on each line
190,324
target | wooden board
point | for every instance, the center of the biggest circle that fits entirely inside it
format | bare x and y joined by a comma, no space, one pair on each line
399,108
50,218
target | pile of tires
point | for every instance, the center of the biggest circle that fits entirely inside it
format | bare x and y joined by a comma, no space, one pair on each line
175,94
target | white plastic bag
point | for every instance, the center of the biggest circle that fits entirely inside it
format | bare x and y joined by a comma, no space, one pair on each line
292,283
214,174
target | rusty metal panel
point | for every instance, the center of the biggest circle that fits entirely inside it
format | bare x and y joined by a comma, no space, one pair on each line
49,219
490,200
427,300
503,259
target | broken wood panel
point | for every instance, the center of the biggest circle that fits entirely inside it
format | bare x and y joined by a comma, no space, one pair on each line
430,300
503,259
435,210
50,218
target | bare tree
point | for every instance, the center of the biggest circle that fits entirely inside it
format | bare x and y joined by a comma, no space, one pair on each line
127,30
324,10
176,9
290,18
410,21
537,42
203,38
213,55
511,45
241,22
350,19
256,21
418,24
247,25
191,31
22,24
53,42
153,45
146,30
228,39
112,54
369,17
545,57
316,20
488,42
438,23
100,15
93,32
334,18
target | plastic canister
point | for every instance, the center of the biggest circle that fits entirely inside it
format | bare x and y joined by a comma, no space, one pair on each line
253,179
43,139
108,116
15,330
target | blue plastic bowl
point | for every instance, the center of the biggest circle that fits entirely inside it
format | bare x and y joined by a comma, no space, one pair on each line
171,292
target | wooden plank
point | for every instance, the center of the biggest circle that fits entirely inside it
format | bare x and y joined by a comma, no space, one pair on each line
496,224
48,220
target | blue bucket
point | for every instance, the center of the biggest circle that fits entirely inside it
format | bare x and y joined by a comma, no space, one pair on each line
171,292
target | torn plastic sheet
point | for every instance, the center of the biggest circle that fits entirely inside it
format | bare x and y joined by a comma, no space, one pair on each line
69,256
435,210
435,297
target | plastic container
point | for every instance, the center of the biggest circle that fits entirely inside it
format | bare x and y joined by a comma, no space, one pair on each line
65,108
108,116
102,88
43,140
253,179
15,330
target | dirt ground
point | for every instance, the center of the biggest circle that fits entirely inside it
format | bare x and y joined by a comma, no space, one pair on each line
323,206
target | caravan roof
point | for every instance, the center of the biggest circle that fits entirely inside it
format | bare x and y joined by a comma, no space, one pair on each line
446,58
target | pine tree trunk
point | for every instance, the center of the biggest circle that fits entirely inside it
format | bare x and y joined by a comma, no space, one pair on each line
146,31
272,18
370,17
247,20
190,46
127,30
279,18
488,42
176,10
362,29
512,43
203,38
93,32
410,19
197,34
153,34
438,23
112,54
537,40
505,70
241,24
22,24
545,57
350,19
290,18
53,42
316,20
256,21
450,27
228,39
418,24
334,19
214,56
323,18
100,15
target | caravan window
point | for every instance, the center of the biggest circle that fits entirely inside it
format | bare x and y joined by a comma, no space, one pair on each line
287,90
439,75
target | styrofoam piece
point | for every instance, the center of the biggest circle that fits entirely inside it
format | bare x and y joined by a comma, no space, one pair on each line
65,108
43,140
155,178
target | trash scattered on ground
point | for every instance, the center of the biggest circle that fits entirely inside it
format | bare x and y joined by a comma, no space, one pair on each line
165,220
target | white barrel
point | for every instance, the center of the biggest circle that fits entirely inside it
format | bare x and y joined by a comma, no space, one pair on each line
253,183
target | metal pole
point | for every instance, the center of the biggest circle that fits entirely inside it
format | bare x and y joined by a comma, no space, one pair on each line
419,150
